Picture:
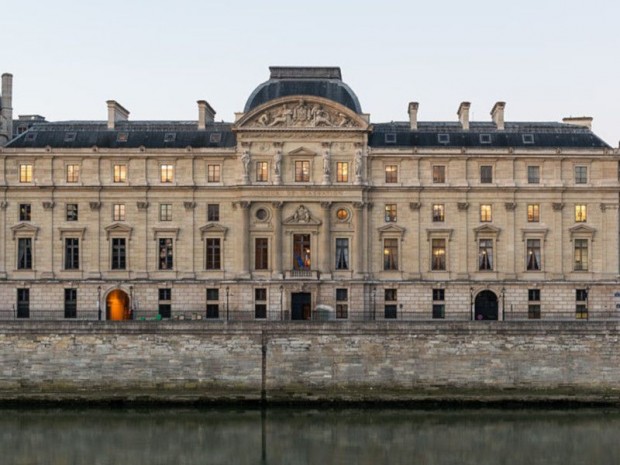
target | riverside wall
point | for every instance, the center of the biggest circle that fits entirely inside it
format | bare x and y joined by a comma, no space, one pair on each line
201,361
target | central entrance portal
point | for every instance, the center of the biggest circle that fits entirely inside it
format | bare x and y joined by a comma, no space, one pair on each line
486,306
301,308
117,306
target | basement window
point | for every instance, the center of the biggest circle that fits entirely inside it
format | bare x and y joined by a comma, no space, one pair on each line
443,138
485,138
70,136
528,138
122,137
170,137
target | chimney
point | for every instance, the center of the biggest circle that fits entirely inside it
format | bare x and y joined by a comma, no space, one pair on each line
585,121
116,112
6,107
463,113
206,114
413,115
497,114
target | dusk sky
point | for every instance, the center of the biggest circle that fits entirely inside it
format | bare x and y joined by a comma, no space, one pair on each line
547,59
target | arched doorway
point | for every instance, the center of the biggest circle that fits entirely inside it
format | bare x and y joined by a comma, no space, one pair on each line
117,305
486,306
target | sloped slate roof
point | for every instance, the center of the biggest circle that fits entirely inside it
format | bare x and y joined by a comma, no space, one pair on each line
482,134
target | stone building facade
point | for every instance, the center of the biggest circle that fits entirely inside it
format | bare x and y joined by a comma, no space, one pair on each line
303,208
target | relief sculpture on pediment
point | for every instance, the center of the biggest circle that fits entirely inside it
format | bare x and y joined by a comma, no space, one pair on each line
303,114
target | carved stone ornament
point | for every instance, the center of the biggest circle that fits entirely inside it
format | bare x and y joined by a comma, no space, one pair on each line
94,206
4,204
557,206
415,205
510,206
142,206
189,205
48,205
302,216
462,206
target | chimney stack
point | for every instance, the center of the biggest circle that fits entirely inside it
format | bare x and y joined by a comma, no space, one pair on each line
463,113
206,114
497,114
116,112
413,115
585,121
6,109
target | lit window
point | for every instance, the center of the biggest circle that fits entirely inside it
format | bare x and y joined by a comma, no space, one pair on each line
213,212
213,173
165,212
301,252
439,174
73,173
214,254
262,171
581,174
25,172
390,213
118,212
581,304
486,174
167,173
120,173
390,254
342,214
533,255
485,254
302,171
581,255
342,172
486,213
72,212
533,213
261,253
438,252
165,254
342,303
342,253
581,214
439,213
391,174
533,174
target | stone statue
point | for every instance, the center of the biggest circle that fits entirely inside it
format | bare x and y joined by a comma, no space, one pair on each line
277,165
358,163
245,159
326,163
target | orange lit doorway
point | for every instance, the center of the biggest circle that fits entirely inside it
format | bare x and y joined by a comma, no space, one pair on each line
117,305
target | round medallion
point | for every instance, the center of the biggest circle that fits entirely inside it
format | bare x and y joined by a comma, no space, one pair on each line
342,214
261,214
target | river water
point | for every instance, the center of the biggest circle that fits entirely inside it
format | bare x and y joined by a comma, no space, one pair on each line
309,436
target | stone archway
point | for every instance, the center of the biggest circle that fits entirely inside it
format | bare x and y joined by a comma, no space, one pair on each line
486,306
117,305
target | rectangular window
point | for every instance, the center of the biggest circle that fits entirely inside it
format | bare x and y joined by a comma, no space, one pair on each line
25,172
166,173
581,174
24,253
23,303
120,173
438,253
485,254
118,212
581,214
533,213
213,173
72,212
486,174
165,254
533,304
581,254
165,302
72,253
24,212
486,213
391,174
533,255
165,212
260,303
261,253
301,252
119,254
342,253
73,173
390,254
302,171
213,305
214,254
439,213
70,303
439,305
439,174
391,297
213,212
342,172
262,171
390,213
533,174
581,305
342,303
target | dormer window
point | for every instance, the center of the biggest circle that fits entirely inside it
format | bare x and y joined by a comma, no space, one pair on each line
170,137
443,138
528,138
485,138
122,137
70,136
390,138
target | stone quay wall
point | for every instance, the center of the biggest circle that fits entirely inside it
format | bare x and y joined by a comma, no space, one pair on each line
202,361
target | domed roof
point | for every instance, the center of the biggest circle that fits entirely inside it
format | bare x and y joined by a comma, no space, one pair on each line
323,82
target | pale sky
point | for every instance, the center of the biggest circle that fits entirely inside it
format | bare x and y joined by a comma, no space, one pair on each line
547,59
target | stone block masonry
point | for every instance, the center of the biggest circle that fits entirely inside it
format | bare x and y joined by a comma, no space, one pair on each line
204,361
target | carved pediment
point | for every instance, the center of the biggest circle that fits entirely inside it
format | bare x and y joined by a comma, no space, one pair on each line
390,229
487,230
72,232
582,230
534,233
302,216
442,233
214,229
165,232
24,229
118,229
302,112
302,151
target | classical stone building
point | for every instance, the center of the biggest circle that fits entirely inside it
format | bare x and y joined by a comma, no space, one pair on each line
304,207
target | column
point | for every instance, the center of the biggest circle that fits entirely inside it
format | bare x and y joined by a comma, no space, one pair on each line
326,250
358,225
277,239
245,240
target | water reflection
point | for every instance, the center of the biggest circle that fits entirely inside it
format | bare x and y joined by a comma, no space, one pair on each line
309,436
